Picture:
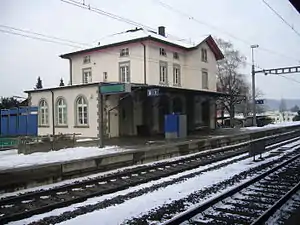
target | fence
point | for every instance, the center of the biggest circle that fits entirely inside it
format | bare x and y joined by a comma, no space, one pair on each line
19,122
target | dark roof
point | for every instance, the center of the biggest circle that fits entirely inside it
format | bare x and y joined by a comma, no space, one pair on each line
134,86
63,87
209,40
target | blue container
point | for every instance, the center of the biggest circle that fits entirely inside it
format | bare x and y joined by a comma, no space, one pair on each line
19,121
171,123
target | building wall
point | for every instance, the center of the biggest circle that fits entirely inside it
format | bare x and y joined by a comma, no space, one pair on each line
70,96
108,60
154,59
194,67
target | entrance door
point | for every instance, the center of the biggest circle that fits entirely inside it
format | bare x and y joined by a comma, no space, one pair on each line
126,116
206,113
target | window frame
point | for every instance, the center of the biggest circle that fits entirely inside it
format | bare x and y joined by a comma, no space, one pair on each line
164,81
126,78
162,52
204,55
124,52
63,113
89,79
176,67
43,113
87,59
205,71
105,76
80,119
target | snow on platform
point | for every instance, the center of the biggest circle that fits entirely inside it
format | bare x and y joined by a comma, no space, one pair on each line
274,126
11,159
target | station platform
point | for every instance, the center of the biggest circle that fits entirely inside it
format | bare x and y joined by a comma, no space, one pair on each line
24,171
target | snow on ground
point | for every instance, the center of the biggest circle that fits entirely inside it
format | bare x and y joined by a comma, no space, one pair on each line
11,159
142,204
69,181
276,125
49,186
86,139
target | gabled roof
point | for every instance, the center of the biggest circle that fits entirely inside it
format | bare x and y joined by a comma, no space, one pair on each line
138,35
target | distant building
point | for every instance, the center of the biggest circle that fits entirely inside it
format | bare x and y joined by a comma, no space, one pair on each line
279,117
164,76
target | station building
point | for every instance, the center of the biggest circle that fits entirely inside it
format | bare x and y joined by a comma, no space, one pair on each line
143,76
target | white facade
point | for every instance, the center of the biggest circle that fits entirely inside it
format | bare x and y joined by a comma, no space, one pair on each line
105,64
90,93
142,62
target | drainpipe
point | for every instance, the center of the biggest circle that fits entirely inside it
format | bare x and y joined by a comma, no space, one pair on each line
53,118
145,66
145,82
70,64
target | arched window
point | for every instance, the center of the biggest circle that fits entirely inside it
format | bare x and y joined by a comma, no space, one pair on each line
43,113
61,112
81,111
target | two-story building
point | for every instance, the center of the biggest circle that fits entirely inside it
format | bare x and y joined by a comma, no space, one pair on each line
181,77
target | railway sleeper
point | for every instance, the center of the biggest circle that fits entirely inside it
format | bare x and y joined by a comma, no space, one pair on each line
271,187
268,191
228,219
250,205
237,211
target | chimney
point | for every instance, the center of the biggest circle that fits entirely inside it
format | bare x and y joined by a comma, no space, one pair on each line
161,31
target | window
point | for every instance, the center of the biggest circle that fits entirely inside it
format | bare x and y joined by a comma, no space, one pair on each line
124,52
162,52
43,113
175,55
163,73
204,79
81,111
61,112
176,75
86,59
86,75
125,72
104,76
204,55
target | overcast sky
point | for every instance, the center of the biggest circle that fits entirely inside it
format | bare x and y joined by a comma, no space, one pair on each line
24,59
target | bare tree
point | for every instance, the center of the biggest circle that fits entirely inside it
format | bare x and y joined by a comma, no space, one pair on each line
230,80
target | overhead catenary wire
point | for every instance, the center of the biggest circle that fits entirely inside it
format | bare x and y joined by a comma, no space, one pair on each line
140,57
190,17
114,16
288,78
39,38
281,17
44,35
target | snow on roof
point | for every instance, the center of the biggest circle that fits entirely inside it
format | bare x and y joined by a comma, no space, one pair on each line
137,34
142,33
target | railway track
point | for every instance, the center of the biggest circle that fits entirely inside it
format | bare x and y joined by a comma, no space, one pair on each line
28,204
252,202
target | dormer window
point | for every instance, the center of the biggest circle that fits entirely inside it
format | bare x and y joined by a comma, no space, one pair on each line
162,52
86,59
124,52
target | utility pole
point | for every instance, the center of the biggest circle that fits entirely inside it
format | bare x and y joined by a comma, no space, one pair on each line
253,85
